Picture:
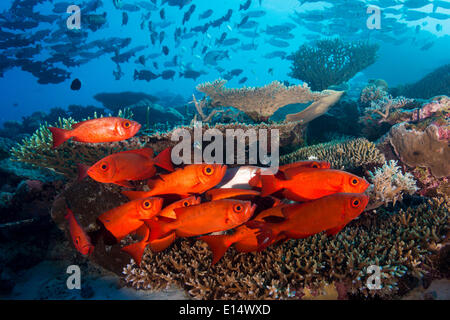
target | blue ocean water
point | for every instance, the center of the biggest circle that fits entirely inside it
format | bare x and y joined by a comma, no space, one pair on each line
404,57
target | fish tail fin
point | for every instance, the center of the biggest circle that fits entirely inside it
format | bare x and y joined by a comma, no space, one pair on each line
265,236
82,171
59,136
133,195
218,246
255,181
136,251
269,184
163,159
163,243
155,229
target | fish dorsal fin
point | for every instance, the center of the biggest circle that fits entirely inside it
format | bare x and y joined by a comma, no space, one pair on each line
76,125
292,172
146,152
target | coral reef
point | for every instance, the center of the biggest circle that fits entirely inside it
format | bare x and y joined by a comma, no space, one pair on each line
261,103
389,184
401,244
435,83
331,62
342,154
429,185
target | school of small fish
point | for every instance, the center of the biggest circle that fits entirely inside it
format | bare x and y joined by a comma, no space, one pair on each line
209,202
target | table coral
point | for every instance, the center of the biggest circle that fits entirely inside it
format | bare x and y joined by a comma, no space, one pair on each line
400,243
342,154
260,103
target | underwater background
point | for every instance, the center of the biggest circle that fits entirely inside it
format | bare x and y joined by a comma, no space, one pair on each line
362,86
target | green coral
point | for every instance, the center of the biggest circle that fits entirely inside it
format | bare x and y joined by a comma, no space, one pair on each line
331,62
37,149
342,154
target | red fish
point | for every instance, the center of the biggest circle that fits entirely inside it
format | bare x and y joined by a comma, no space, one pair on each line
204,218
80,239
169,211
119,168
106,129
224,193
192,179
244,239
128,217
256,180
302,184
330,213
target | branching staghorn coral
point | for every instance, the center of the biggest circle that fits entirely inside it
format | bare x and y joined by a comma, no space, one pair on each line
37,149
389,184
342,154
259,103
400,243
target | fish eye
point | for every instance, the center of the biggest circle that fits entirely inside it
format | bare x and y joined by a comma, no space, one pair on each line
315,165
355,203
104,166
354,181
126,124
208,170
185,204
146,204
237,208
77,240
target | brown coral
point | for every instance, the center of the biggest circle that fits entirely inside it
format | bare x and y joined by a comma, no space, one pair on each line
259,103
421,148
342,154
399,243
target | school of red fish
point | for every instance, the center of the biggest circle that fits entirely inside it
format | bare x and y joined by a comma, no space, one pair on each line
300,200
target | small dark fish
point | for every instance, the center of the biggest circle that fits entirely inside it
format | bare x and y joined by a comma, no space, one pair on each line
245,6
206,14
205,48
161,36
244,79
144,75
243,21
168,74
221,39
427,46
141,60
155,65
76,85
165,50
162,14
124,18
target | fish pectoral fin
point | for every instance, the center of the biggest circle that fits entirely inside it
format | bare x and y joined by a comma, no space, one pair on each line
218,245
335,230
